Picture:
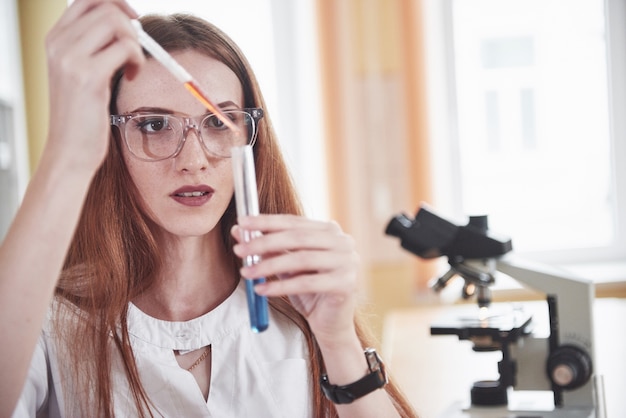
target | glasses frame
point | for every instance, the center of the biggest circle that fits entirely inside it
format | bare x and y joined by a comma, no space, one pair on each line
189,123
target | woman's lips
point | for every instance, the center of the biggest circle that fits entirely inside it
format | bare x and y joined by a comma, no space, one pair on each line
193,195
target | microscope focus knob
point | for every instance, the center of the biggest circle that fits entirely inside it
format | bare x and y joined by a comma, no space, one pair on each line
569,367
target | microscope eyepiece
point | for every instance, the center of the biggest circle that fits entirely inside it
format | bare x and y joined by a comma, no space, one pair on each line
430,236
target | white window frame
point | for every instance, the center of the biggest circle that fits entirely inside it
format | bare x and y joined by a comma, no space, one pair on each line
444,148
15,151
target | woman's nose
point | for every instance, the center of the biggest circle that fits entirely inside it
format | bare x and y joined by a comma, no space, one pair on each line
192,156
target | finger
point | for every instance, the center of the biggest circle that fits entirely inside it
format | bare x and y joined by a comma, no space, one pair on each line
296,240
104,26
94,30
80,7
307,284
240,234
235,232
123,53
76,52
270,223
293,263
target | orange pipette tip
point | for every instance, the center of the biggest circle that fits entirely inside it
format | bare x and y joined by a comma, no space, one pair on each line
199,94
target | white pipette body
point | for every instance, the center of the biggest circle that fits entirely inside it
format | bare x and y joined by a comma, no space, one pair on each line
161,54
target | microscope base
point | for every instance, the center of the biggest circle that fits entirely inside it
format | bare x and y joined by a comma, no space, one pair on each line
459,410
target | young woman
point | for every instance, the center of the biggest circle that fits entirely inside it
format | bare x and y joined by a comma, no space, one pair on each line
121,278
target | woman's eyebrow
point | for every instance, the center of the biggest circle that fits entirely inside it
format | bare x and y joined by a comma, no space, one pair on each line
228,103
147,109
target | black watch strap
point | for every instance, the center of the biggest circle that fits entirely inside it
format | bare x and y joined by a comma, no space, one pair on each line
375,379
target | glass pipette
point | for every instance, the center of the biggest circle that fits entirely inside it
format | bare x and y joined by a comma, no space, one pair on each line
180,73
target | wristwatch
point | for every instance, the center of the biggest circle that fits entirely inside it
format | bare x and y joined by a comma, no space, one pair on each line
375,379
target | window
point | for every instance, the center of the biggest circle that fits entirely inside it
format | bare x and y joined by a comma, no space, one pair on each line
13,152
532,91
8,181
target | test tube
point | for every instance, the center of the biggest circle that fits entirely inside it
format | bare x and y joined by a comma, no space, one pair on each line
247,202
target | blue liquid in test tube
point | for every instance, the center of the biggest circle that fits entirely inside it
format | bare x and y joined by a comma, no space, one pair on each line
247,202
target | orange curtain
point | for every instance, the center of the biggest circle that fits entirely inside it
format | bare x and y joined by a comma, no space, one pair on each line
376,131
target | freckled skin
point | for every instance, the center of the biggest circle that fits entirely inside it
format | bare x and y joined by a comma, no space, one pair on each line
155,87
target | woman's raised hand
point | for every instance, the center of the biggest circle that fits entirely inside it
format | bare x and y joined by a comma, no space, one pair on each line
86,46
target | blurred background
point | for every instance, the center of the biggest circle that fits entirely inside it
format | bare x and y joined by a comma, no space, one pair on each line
506,108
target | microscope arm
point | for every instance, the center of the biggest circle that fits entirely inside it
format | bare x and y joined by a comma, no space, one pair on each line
570,301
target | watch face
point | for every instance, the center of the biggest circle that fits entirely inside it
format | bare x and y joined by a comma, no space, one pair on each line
374,361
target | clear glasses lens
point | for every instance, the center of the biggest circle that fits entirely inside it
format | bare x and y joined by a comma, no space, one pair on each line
159,136
219,139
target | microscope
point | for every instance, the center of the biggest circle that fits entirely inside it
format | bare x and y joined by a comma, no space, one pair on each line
561,362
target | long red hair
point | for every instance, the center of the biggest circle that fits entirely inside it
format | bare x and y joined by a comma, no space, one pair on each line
114,255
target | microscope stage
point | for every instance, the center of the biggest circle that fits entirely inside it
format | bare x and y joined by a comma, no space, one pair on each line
471,322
